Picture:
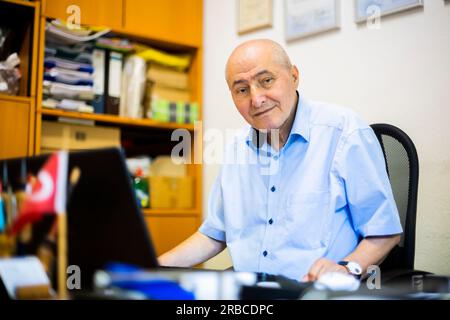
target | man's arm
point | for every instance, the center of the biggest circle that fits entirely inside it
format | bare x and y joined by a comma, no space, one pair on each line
360,166
196,249
370,251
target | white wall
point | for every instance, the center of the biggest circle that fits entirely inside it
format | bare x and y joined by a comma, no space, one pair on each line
399,74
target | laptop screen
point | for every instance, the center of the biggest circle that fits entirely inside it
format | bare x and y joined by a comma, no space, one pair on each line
105,223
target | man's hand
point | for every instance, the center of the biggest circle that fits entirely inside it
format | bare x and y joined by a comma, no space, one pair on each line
322,266
370,251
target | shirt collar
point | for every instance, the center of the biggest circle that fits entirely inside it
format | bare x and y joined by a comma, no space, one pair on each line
300,126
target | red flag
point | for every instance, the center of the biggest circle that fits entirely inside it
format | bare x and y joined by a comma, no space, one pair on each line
48,195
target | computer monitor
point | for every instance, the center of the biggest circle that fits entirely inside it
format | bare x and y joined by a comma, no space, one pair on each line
105,223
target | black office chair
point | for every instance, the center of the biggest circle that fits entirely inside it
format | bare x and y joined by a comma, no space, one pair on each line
402,165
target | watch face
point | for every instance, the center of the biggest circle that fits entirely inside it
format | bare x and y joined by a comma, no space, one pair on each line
354,268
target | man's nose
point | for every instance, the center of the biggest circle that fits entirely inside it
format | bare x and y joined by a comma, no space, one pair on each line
259,98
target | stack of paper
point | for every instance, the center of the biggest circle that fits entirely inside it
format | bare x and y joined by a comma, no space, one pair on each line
69,72
67,76
177,61
60,32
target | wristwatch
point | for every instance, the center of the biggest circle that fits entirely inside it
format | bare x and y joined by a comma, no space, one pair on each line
352,267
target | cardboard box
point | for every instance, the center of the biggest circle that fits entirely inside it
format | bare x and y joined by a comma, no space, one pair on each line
171,192
57,135
165,166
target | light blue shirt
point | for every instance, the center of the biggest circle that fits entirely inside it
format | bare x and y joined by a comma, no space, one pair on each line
327,188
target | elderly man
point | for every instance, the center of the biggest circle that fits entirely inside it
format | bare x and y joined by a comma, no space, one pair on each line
323,202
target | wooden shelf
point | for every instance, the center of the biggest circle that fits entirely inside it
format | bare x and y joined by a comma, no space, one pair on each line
23,3
15,98
115,119
171,212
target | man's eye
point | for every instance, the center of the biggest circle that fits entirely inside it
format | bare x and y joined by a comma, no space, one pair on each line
241,90
268,80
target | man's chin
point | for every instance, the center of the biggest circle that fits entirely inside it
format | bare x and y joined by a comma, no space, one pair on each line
265,127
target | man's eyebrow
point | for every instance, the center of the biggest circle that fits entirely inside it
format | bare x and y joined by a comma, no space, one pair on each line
255,76
236,82
261,73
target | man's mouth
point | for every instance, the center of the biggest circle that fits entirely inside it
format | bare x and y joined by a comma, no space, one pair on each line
263,112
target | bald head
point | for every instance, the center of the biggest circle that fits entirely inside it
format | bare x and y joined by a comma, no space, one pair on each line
251,50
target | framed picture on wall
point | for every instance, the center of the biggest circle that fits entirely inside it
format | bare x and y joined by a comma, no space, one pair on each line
254,15
304,18
365,9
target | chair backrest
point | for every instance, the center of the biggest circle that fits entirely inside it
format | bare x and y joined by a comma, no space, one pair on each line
402,165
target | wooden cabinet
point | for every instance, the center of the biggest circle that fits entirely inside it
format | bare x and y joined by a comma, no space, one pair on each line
175,21
98,12
17,111
14,127
178,21
168,231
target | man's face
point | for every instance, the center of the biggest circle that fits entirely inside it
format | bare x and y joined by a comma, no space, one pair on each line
263,90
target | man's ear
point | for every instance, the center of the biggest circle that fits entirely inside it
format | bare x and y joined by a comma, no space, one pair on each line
295,75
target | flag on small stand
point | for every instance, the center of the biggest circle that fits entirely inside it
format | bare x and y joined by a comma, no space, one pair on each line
48,196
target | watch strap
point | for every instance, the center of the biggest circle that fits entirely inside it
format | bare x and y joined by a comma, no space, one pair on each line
343,263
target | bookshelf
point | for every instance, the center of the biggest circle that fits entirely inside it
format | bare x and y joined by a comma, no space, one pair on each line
149,22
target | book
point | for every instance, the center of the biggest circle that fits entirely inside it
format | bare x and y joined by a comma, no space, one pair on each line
114,82
133,87
99,64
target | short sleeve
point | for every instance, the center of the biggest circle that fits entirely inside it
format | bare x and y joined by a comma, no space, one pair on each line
361,166
213,226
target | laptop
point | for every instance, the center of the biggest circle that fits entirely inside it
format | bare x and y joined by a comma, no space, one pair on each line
105,223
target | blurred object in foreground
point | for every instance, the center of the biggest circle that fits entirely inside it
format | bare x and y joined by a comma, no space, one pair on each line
10,75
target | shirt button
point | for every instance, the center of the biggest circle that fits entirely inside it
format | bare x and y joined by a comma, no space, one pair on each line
265,253
273,189
275,158
270,221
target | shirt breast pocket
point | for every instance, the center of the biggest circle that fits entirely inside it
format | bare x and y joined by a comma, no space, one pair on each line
307,219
